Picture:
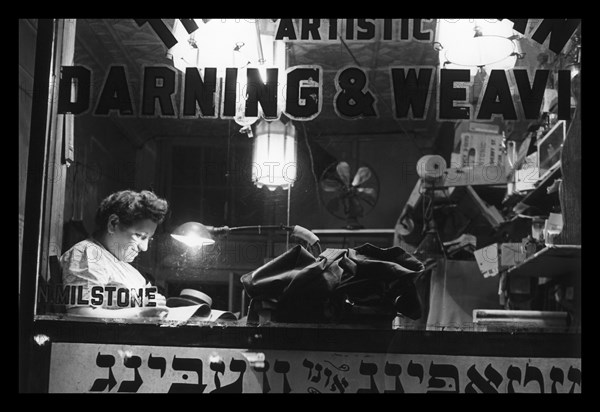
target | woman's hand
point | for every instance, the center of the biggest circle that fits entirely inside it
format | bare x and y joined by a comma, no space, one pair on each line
161,301
155,312
158,311
157,298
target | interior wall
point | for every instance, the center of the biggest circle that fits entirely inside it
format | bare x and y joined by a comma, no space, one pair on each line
392,159
105,161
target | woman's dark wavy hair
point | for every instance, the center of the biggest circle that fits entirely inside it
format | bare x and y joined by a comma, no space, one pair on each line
131,206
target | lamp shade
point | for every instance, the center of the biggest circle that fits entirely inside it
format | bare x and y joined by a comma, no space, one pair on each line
476,43
216,43
274,154
193,234
231,43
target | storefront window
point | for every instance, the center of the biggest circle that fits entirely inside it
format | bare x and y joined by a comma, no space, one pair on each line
300,205
432,170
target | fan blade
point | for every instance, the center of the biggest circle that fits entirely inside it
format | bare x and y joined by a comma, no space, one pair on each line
355,209
367,191
362,175
343,170
331,185
368,194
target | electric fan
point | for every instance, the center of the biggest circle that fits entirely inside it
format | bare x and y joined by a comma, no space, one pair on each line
347,197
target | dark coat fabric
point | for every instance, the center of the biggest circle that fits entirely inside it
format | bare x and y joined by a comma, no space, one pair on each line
340,285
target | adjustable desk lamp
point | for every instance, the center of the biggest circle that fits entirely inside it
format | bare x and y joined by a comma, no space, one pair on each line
196,234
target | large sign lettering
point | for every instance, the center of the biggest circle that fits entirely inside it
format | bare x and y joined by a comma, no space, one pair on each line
85,367
557,30
411,87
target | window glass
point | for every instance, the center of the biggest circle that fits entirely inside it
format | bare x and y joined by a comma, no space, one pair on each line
389,172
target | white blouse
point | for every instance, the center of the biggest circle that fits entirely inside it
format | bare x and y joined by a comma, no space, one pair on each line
90,264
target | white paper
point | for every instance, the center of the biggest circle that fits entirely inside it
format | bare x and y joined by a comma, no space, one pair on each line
182,313
219,315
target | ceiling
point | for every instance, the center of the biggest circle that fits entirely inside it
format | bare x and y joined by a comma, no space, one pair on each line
123,42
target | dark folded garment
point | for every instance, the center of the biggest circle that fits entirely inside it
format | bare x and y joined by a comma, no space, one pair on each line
338,286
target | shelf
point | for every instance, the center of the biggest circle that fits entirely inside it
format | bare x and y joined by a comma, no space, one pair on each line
344,238
469,176
346,232
539,195
551,261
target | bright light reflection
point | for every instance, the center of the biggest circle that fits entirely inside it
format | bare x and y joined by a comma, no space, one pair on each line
193,240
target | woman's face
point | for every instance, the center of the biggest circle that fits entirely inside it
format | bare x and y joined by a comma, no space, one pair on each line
125,242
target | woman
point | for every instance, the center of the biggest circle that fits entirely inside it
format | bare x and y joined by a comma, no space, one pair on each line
98,268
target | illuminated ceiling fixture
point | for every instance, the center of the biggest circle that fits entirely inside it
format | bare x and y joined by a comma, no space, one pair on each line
477,44
232,43
225,43
274,154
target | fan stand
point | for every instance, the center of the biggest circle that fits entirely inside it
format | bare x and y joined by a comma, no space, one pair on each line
352,223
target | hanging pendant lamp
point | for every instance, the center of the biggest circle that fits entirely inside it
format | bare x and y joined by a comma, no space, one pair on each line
274,154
